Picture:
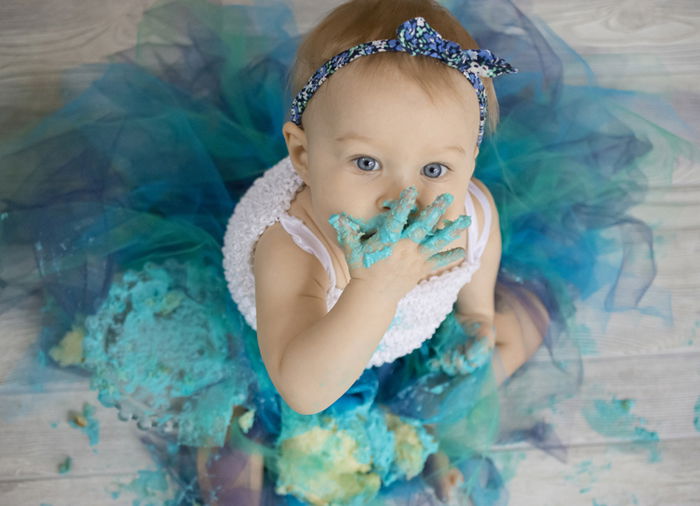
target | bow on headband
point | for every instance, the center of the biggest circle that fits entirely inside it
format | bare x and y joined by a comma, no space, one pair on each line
416,37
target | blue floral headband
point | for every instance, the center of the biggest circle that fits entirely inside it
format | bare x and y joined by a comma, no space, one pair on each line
414,36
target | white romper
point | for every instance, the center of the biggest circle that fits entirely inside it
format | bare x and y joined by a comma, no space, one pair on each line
419,313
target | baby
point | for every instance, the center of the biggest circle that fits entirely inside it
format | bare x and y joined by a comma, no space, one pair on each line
386,151
314,356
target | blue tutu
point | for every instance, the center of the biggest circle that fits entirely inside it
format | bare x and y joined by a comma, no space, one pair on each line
122,196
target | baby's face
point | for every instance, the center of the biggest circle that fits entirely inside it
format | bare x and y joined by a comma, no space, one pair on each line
369,139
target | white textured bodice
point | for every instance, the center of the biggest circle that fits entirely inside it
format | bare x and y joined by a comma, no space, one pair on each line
418,314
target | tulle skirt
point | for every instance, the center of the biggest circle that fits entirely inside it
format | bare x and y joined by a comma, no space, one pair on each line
114,209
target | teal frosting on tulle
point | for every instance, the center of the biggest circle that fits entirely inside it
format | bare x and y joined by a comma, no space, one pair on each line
158,348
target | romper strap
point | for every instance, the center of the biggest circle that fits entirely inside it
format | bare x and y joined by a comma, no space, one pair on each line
477,241
307,240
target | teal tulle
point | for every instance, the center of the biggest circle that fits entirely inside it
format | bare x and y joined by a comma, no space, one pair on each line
120,198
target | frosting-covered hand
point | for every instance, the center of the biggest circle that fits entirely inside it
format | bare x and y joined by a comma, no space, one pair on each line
403,262
470,356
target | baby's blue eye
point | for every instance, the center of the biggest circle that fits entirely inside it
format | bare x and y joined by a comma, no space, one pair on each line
367,164
434,165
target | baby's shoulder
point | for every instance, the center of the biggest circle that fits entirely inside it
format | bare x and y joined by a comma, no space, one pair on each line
478,207
276,252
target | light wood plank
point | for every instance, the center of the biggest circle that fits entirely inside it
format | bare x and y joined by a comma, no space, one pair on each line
33,448
665,401
612,475
74,490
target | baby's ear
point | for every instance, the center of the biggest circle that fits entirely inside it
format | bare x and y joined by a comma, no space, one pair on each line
297,144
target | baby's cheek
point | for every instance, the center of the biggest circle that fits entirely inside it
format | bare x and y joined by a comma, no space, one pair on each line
454,211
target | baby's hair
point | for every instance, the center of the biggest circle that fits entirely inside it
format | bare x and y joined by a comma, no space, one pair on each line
358,21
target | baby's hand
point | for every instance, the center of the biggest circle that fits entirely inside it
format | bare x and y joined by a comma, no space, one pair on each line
394,257
470,356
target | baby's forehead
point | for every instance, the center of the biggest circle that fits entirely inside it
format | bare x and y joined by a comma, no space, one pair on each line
351,88
387,102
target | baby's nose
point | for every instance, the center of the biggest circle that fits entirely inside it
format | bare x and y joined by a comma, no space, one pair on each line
391,205
391,199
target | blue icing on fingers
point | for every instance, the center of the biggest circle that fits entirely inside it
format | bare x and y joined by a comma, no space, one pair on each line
426,220
445,259
390,227
448,234
479,353
372,257
353,248
454,362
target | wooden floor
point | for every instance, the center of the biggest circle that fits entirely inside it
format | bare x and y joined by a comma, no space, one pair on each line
636,356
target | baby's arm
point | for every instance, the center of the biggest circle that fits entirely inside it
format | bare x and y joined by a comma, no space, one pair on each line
515,341
313,355
475,301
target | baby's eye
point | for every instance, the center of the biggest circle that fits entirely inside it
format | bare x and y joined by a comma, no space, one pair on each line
368,164
364,165
435,170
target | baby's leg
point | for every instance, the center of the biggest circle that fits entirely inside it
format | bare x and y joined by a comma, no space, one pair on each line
229,476
439,473
521,322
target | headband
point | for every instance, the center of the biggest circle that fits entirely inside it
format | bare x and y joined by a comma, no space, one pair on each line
414,36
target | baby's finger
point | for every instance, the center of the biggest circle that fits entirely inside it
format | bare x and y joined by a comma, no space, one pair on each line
372,227
461,361
425,223
456,360
447,234
440,260
358,225
348,235
364,227
370,257
346,228
393,226
479,352
391,204
448,362
434,364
